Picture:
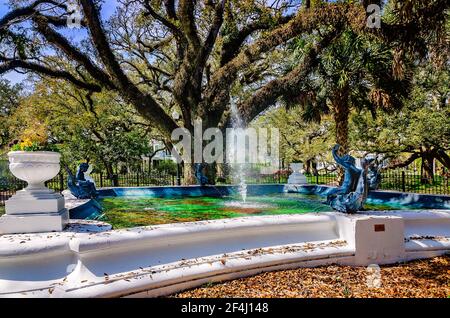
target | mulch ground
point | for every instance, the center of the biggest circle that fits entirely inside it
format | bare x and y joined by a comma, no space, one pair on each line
423,278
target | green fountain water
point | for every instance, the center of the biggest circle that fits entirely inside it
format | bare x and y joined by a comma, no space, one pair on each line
123,212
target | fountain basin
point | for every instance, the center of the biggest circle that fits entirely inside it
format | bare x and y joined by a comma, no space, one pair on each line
158,260
128,207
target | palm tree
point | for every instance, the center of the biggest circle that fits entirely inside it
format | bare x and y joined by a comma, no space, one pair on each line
355,72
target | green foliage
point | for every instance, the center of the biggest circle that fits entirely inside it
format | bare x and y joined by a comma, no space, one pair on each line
422,123
167,166
299,140
9,101
34,146
357,66
355,72
98,127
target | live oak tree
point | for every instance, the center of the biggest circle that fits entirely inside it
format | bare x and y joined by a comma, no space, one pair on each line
421,130
188,55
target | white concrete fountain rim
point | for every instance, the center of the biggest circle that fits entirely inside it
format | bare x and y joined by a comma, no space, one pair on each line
75,230
157,260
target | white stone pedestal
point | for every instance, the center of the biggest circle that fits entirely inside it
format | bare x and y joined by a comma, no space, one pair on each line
297,176
31,211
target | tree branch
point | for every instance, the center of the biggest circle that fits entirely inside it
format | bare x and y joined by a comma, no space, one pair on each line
443,158
232,45
13,64
170,9
172,27
187,19
287,84
61,42
144,103
101,43
212,34
405,163
25,12
217,95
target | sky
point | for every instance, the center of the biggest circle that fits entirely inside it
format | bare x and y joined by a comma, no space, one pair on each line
107,10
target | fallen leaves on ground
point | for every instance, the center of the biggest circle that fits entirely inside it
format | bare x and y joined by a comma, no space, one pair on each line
422,278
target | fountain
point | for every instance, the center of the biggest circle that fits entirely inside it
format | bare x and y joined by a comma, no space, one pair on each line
240,172
79,186
243,187
352,194
297,176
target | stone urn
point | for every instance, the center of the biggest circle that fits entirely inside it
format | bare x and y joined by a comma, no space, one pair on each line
34,167
35,208
297,176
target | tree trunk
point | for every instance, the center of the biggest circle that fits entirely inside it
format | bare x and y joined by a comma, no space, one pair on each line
189,174
314,167
311,167
443,158
211,172
427,169
341,119
222,172
109,170
341,114
308,166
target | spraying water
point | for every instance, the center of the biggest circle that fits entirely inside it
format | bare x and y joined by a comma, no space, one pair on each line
240,172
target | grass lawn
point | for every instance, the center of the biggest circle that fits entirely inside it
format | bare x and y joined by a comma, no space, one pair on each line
2,209
422,278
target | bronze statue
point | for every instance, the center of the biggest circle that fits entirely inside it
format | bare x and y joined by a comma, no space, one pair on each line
79,186
350,197
374,176
351,172
199,175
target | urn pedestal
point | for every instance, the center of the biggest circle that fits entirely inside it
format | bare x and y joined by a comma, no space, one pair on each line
35,208
296,176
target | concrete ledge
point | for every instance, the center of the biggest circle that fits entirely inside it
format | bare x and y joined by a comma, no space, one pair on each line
33,222
158,280
431,244
306,227
34,245
420,222
176,287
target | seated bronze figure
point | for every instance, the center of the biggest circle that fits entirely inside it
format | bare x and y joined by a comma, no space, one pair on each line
79,186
